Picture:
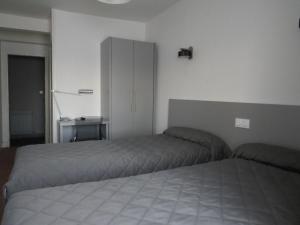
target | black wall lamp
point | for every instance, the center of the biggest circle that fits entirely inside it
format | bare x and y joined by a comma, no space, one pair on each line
186,53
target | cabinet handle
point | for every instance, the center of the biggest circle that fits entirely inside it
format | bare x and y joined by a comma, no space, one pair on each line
134,100
131,101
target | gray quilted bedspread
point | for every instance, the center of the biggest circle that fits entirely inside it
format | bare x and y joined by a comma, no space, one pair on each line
228,192
54,165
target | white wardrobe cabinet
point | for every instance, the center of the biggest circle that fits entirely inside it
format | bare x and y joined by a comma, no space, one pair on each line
127,86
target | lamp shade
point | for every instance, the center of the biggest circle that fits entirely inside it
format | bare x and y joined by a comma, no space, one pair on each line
114,1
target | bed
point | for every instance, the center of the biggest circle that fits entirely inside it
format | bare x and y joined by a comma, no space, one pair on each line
259,186
61,164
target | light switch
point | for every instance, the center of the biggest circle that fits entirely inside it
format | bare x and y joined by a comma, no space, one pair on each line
242,123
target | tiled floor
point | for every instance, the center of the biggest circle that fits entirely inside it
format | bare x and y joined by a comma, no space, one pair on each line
6,162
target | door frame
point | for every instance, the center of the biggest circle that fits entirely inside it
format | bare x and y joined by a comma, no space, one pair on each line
23,49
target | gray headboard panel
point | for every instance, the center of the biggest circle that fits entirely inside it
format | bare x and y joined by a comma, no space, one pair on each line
272,124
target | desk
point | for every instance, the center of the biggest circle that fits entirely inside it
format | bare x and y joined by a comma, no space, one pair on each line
81,130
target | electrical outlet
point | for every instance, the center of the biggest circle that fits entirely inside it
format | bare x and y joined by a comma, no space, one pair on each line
242,123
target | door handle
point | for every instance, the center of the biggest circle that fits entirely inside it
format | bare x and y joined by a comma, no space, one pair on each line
41,92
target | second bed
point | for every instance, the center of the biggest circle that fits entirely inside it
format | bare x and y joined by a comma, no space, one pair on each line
260,186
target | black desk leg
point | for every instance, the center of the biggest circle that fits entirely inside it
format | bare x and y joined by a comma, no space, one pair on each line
100,132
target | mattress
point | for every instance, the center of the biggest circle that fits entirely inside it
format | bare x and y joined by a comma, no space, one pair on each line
54,165
228,192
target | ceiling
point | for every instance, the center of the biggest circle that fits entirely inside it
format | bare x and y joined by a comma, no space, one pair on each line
139,10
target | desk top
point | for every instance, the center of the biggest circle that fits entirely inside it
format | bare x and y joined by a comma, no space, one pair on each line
78,122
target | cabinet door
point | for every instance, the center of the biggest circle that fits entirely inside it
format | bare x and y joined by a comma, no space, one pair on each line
143,88
105,78
122,86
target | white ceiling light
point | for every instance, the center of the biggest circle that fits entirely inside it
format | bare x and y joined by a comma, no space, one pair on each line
114,1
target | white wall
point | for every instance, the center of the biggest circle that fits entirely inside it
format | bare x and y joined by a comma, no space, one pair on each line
76,65
24,36
24,23
245,51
